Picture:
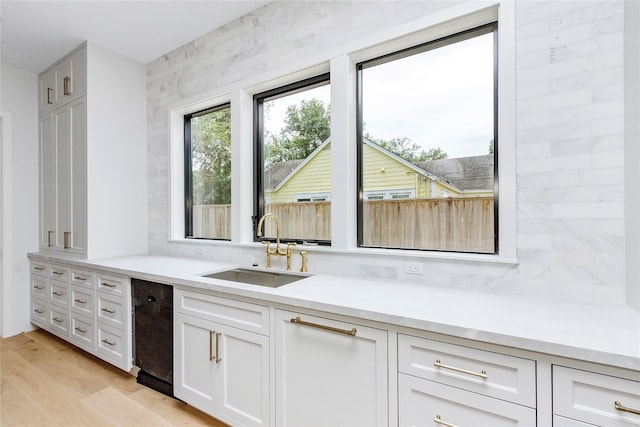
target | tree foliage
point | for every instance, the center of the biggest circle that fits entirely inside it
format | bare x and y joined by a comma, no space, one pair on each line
404,148
211,157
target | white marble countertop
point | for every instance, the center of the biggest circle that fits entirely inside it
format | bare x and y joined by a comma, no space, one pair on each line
601,333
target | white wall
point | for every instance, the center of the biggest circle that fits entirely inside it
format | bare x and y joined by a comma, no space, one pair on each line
569,142
18,103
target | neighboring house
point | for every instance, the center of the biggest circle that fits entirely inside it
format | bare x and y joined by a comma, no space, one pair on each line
386,176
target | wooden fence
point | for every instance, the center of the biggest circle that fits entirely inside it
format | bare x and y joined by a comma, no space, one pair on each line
453,224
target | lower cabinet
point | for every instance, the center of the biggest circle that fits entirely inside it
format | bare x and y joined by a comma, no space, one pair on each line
220,369
329,373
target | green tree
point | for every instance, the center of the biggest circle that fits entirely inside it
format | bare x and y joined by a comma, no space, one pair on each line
211,157
404,148
307,126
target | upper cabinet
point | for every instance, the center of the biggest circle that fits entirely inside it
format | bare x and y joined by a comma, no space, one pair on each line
93,155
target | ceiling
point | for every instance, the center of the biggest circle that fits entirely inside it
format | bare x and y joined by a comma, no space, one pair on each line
34,34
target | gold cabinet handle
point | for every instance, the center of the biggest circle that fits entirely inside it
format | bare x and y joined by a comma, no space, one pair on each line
211,345
622,408
80,301
58,294
57,273
37,310
218,360
55,319
67,85
38,287
108,285
439,420
67,238
49,90
82,331
106,341
106,310
49,238
351,332
80,278
482,374
39,268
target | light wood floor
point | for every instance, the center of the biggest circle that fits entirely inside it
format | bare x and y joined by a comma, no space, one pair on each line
48,382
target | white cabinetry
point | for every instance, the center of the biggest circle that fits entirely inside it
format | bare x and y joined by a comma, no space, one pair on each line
329,373
589,398
93,155
447,384
221,357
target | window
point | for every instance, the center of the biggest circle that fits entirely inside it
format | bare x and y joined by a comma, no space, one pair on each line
293,160
207,153
427,121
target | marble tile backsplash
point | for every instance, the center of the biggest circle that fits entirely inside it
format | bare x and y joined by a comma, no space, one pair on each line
569,136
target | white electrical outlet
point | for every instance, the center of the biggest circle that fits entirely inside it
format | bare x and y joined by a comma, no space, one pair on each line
413,268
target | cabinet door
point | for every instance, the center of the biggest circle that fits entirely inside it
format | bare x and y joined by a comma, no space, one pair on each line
241,376
328,377
71,81
426,403
193,361
47,91
47,182
71,144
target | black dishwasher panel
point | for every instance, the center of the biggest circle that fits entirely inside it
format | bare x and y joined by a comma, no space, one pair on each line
153,334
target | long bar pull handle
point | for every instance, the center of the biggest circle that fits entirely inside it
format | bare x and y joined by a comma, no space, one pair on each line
80,301
211,345
49,238
38,287
67,85
80,278
439,420
218,360
482,374
82,331
57,272
67,238
351,332
57,320
49,90
106,310
58,294
37,310
622,408
106,341
38,267
108,285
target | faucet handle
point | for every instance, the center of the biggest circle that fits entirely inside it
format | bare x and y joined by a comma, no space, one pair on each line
303,266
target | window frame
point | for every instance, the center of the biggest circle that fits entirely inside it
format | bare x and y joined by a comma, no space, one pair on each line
488,28
258,148
188,171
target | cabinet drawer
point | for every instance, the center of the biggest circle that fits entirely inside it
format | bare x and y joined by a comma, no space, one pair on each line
492,374
59,321
112,285
111,310
427,403
83,331
82,278
59,273
39,268
590,397
112,344
250,317
59,293
39,287
82,300
40,313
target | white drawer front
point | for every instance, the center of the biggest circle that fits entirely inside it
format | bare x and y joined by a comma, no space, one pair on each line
111,310
59,321
111,344
59,293
59,273
82,300
250,317
492,374
590,397
426,403
112,285
39,287
40,313
83,331
39,268
82,278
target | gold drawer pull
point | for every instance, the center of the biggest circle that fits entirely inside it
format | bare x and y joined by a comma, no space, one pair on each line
55,319
38,287
49,90
81,278
482,374
351,332
67,238
82,331
39,268
58,294
67,85
438,420
37,310
106,341
106,310
218,360
80,301
108,285
622,408
57,273
49,235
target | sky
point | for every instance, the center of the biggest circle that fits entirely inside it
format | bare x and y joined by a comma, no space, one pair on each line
443,100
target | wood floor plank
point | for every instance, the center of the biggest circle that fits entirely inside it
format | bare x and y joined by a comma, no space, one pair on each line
16,410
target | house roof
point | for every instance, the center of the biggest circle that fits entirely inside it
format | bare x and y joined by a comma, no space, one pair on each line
466,173
277,172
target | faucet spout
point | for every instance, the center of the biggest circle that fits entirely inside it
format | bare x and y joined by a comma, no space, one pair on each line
277,250
260,224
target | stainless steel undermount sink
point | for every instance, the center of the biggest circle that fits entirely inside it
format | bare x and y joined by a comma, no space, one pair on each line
272,279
